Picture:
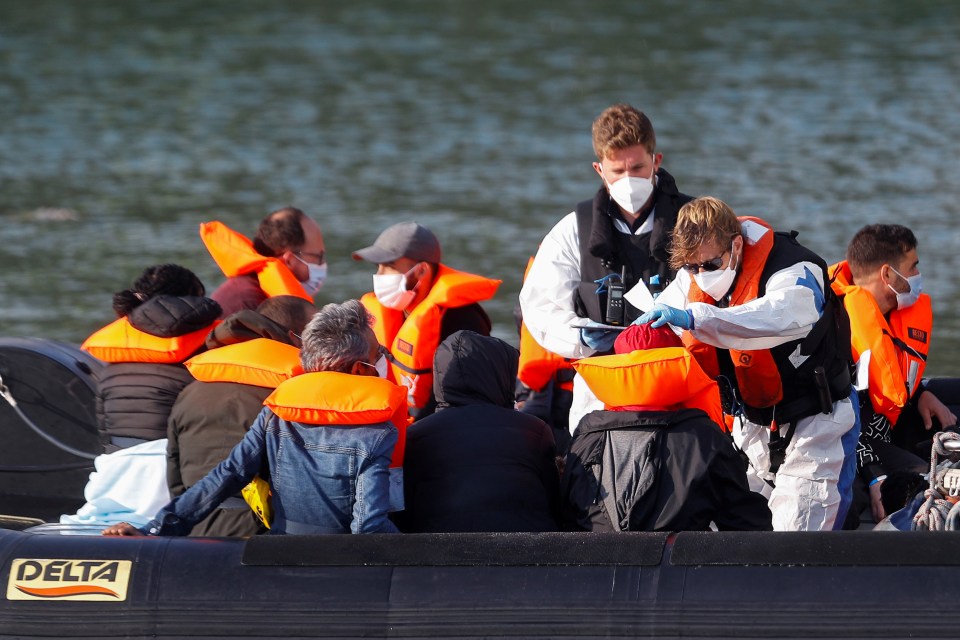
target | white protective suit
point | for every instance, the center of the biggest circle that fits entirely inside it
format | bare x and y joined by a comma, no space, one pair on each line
547,302
806,497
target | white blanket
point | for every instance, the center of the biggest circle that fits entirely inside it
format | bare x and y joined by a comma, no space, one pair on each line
129,485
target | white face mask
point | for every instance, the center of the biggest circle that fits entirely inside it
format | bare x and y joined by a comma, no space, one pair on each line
380,366
391,290
316,275
632,193
716,284
909,298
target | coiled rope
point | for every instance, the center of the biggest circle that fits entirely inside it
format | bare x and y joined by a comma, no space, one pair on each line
935,510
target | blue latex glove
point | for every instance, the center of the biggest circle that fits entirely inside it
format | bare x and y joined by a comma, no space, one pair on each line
598,339
661,314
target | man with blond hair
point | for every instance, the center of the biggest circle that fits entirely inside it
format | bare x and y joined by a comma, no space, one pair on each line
753,308
618,238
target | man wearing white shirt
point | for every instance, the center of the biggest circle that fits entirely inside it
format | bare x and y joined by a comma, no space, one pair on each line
620,237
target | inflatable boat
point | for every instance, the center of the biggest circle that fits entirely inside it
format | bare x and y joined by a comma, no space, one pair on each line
860,584
49,426
560,585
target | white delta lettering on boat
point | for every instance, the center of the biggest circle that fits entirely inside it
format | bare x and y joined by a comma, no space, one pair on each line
62,579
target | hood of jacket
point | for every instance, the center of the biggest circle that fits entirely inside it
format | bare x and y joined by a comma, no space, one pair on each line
473,369
246,325
172,316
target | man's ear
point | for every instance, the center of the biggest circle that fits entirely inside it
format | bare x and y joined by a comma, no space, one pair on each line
599,169
289,259
360,369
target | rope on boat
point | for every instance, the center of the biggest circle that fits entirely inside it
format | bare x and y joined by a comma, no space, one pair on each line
936,509
5,392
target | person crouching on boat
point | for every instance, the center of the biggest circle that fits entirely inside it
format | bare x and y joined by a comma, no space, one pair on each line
325,440
657,456
753,309
891,323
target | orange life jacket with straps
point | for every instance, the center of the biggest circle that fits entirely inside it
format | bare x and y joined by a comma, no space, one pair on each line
897,345
666,378
260,362
413,339
538,366
234,254
120,341
333,398
757,375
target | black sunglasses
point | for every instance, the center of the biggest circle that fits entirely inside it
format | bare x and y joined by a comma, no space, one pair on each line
709,265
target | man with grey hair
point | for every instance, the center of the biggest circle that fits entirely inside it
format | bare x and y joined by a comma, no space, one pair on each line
339,416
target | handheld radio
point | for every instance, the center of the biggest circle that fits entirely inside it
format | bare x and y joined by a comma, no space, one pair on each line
615,303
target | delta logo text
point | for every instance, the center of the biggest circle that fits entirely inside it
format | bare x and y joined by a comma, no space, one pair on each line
58,579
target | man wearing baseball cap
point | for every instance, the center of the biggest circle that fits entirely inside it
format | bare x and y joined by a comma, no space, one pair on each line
417,302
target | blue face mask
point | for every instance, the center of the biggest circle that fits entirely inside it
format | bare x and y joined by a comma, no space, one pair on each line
911,296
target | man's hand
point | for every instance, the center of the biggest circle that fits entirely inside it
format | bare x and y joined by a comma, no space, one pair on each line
929,405
597,339
876,504
661,314
121,529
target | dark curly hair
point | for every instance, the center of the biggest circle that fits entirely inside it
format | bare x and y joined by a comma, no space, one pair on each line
157,280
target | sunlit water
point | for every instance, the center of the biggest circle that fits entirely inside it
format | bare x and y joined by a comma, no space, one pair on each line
124,125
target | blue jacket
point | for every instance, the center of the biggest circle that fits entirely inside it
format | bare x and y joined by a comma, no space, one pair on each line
324,478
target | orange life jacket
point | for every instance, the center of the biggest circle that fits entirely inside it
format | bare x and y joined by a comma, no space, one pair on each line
260,362
537,365
119,341
758,378
333,398
234,254
413,340
898,346
667,377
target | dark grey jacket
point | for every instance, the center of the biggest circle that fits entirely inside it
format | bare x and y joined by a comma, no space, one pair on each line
210,418
657,471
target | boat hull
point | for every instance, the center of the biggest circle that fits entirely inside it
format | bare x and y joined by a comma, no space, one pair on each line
725,585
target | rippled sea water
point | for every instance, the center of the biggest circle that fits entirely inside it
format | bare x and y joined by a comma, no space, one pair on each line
124,125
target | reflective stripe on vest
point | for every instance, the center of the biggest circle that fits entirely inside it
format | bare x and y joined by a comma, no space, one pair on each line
898,348
333,398
119,341
667,377
234,254
413,340
260,362
537,366
758,378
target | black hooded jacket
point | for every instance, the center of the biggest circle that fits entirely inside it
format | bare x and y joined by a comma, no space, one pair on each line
210,418
657,471
134,398
477,464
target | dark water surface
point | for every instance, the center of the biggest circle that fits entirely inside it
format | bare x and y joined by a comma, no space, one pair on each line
123,125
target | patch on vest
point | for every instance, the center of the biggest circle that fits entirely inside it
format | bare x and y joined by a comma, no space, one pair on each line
745,359
917,334
405,347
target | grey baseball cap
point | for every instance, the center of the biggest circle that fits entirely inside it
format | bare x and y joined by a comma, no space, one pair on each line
402,240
